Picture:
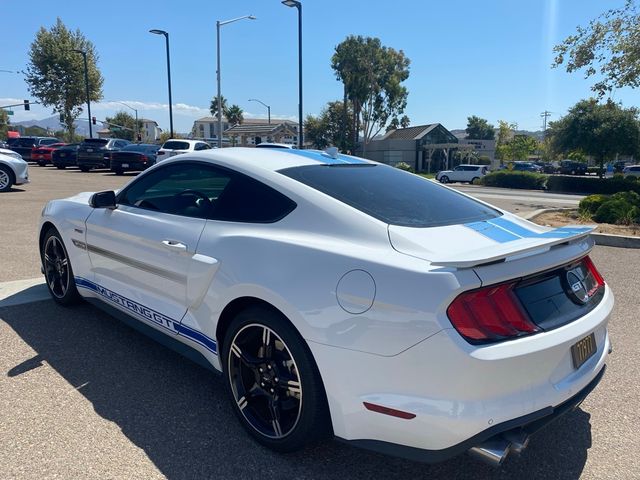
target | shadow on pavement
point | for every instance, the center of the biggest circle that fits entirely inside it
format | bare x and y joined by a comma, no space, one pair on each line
178,413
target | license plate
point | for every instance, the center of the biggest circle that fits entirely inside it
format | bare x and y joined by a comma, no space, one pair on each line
125,165
582,350
89,150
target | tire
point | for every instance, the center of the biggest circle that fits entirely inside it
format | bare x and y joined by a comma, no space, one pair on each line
473,180
245,361
42,164
7,178
58,272
118,171
84,168
61,167
444,179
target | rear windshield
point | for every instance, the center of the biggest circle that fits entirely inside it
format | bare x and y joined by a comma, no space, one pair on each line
96,141
25,142
135,148
391,195
176,145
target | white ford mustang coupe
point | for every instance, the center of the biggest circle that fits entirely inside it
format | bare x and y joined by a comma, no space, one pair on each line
339,296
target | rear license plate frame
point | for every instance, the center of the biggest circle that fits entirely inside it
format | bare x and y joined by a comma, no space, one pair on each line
583,350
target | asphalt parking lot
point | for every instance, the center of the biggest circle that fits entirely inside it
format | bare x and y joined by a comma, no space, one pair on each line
84,396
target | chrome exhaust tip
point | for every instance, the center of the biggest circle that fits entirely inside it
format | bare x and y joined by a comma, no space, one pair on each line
519,440
493,451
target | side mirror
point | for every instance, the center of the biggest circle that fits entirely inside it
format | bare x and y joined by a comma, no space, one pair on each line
103,199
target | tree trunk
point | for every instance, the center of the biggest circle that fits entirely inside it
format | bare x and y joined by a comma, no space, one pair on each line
69,123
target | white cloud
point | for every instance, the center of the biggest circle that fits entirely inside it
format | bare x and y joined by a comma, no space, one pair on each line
178,108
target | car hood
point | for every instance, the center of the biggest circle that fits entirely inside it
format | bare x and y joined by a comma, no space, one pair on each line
479,243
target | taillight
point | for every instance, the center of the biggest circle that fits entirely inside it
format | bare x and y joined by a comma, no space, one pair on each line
144,158
490,314
594,271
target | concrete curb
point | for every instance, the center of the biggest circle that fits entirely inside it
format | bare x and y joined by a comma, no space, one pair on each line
23,291
604,239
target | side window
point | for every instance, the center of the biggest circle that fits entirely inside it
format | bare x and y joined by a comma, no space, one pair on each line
187,189
250,201
202,146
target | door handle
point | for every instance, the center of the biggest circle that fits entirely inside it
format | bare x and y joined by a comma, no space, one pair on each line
174,245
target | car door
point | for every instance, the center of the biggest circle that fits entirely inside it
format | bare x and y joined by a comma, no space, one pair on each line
457,174
142,251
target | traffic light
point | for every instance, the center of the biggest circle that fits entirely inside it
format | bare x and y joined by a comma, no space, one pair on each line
26,105
62,118
93,120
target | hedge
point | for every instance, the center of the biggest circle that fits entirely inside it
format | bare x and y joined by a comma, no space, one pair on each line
508,179
573,184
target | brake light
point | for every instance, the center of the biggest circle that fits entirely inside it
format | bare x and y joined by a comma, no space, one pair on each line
490,314
144,158
594,271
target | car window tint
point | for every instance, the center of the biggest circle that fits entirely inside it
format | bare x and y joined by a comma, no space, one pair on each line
186,189
248,200
176,145
134,148
391,195
48,141
202,146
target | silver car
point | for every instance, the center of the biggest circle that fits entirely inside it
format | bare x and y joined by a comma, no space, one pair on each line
13,170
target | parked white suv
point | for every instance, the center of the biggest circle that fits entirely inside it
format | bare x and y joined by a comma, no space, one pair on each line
462,173
176,146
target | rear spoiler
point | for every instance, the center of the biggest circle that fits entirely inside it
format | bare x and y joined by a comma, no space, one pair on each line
502,251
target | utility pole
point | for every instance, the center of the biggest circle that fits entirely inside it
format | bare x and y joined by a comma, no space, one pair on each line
544,116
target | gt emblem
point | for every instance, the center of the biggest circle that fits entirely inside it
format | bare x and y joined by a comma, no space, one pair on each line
578,290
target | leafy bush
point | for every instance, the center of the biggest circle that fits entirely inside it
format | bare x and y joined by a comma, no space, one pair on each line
508,179
631,178
622,208
575,184
591,203
593,170
404,166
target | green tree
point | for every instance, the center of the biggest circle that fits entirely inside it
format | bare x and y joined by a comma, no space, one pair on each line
608,48
600,130
521,146
123,125
505,135
479,129
329,128
372,75
164,136
213,108
234,115
4,123
396,123
55,73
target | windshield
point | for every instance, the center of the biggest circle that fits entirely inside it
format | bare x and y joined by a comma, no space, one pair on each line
391,195
176,145
96,141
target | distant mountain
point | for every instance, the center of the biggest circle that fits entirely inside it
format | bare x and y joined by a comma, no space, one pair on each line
53,124
538,135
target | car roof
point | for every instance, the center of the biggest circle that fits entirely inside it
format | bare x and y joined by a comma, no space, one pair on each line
269,159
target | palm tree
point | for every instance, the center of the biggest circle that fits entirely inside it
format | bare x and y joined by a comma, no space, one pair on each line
234,115
214,106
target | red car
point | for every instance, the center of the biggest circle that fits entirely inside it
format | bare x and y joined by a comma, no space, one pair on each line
42,155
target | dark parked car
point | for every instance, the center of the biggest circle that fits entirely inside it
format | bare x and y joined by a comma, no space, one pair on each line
526,167
547,167
66,156
96,152
571,167
135,157
24,145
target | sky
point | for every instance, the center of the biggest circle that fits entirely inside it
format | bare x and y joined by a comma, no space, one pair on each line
490,58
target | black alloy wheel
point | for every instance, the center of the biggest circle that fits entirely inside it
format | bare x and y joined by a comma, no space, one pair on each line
444,179
273,381
57,269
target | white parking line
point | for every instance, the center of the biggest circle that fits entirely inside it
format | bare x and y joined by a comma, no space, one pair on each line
20,292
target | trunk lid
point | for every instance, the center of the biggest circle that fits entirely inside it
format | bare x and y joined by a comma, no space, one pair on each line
480,243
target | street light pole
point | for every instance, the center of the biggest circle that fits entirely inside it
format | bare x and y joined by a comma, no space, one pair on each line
219,100
166,37
136,111
86,85
298,5
264,104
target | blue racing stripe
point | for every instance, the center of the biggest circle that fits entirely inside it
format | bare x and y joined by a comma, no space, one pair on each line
323,157
149,314
491,231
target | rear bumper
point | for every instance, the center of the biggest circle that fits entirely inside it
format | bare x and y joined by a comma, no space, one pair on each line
132,166
529,424
458,393
93,162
